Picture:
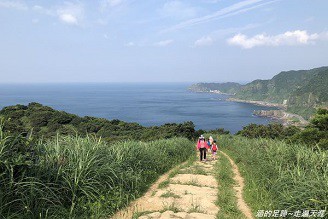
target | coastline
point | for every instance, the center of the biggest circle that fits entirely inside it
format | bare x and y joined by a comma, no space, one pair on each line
210,91
280,114
259,103
283,116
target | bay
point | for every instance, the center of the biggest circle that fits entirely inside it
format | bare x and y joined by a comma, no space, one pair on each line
148,104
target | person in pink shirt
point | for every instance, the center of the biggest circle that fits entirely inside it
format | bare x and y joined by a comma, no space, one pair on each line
202,147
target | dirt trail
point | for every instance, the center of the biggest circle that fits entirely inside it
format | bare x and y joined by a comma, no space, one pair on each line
190,194
241,204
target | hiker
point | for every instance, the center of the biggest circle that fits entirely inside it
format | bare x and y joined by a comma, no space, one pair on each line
202,147
214,149
209,142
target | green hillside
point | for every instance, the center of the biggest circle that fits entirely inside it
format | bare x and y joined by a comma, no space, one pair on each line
43,121
228,88
302,90
281,87
313,94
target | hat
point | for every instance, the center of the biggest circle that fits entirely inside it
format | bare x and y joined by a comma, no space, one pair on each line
201,137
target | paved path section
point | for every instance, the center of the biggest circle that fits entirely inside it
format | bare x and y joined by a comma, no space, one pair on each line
189,194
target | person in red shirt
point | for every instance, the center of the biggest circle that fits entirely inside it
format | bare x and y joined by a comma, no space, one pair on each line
202,147
214,150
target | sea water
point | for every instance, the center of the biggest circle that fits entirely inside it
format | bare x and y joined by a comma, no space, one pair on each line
148,104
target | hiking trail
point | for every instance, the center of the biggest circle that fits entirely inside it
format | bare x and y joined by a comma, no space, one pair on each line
188,191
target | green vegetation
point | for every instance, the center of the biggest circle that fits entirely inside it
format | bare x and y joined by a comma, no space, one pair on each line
171,207
194,170
196,207
228,88
79,177
170,194
316,134
59,165
226,196
46,122
136,215
164,184
304,90
280,175
192,182
273,131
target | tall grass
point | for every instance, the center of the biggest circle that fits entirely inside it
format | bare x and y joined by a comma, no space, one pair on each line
74,177
279,175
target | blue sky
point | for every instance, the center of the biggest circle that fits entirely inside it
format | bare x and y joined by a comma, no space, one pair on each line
159,41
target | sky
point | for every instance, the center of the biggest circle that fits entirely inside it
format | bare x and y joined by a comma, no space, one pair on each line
159,41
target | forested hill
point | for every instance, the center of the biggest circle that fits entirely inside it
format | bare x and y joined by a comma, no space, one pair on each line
302,90
228,88
43,121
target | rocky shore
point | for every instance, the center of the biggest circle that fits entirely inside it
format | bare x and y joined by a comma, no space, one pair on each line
285,117
280,114
259,103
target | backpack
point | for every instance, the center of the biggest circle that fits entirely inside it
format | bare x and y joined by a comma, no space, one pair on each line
214,147
202,144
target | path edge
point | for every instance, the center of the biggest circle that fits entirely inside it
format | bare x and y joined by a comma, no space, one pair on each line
239,188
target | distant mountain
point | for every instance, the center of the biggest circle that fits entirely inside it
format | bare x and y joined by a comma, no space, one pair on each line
302,91
227,88
312,94
280,87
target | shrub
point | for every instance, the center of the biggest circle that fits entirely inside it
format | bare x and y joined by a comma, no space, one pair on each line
47,122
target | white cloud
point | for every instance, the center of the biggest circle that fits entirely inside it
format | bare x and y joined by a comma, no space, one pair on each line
68,13
164,43
71,13
68,18
218,34
104,4
204,41
13,5
177,9
129,44
37,7
234,9
297,37
43,10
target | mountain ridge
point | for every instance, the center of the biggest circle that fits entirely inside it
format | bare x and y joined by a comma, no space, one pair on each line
302,91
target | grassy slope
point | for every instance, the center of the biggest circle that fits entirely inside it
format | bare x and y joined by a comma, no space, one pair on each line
280,176
81,177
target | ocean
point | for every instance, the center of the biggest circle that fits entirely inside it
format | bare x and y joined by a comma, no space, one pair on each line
148,104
